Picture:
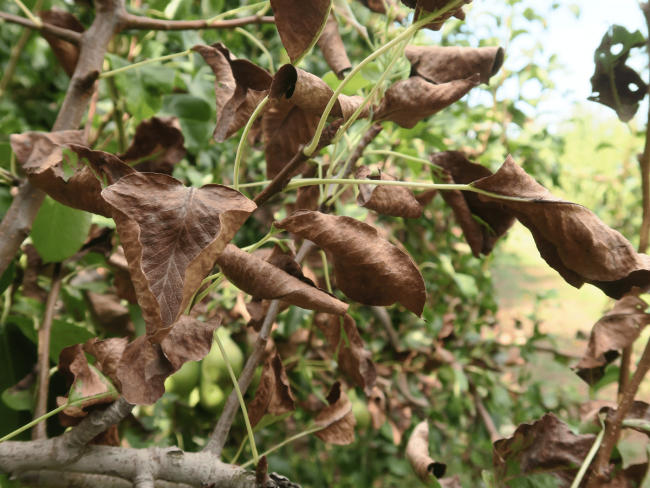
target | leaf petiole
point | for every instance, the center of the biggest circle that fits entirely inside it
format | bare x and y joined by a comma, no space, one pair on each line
107,74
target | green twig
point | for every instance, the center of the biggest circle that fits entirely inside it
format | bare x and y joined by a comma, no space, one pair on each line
29,14
636,424
404,156
588,459
241,400
257,42
242,141
284,443
325,270
117,71
235,11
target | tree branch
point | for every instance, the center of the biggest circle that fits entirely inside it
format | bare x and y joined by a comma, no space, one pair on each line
65,34
146,23
44,333
58,479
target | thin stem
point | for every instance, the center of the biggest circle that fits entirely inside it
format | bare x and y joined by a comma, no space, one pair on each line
241,399
404,156
44,334
239,451
257,42
235,11
285,442
29,13
263,240
207,291
637,424
326,271
76,403
117,71
309,150
242,141
588,459
118,114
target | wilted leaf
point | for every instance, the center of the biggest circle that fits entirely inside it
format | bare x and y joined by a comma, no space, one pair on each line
144,366
617,329
299,23
273,397
417,453
239,86
73,175
32,148
286,128
351,356
172,235
312,94
107,353
156,146
264,280
83,380
409,101
396,201
620,97
368,268
570,238
547,445
110,314
377,407
331,44
444,64
466,204
337,418
121,276
66,52
426,7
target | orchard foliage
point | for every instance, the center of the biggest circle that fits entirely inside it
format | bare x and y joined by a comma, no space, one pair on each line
240,265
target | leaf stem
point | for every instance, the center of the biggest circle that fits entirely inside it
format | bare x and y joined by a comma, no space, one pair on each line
257,42
285,442
588,459
263,240
76,403
241,400
636,424
235,11
29,14
326,271
404,156
242,141
117,71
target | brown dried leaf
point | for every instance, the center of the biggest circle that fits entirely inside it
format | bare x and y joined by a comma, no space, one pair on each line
617,329
417,454
239,86
352,358
66,52
465,204
31,148
409,101
299,23
83,380
273,396
426,7
570,238
264,280
337,418
158,144
312,94
444,64
396,201
379,6
368,268
35,266
331,44
547,445
69,174
108,353
144,366
107,311
172,235
377,407
286,128
121,276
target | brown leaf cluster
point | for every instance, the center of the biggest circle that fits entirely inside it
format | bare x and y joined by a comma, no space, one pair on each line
417,454
396,201
368,268
172,235
426,7
239,87
312,94
331,44
351,355
273,396
466,204
299,23
570,238
337,420
66,53
156,146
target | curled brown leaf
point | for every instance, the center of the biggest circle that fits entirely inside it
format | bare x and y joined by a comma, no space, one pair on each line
172,235
396,201
336,419
377,407
156,146
239,87
439,64
299,23
351,355
273,396
426,7
570,238
331,44
409,101
368,268
32,148
264,280
417,454
107,352
65,52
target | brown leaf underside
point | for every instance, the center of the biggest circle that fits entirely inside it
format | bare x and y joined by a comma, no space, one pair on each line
337,418
273,395
395,201
417,454
299,22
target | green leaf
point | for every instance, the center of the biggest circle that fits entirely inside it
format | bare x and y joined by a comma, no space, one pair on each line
356,83
7,277
19,399
269,419
489,479
195,116
59,231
